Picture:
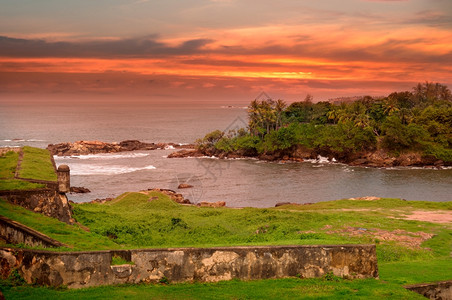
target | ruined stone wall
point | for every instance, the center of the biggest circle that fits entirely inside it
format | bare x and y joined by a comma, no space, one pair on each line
15,233
84,269
437,290
45,201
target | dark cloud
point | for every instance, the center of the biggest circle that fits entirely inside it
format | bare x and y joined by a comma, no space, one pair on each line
391,50
132,47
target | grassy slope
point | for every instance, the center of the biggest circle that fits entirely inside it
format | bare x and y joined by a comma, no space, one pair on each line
8,163
138,222
36,164
73,236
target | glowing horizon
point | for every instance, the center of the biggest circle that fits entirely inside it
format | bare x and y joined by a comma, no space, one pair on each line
326,50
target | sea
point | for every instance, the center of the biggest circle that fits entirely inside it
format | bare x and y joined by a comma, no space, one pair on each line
238,182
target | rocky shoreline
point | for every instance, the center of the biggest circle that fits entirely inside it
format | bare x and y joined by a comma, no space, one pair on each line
298,153
96,147
375,159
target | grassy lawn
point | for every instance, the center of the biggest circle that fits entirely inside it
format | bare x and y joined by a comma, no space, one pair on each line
36,164
8,163
291,288
17,184
150,219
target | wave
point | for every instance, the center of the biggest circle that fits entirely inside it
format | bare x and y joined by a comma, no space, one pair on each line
103,156
320,160
22,140
105,170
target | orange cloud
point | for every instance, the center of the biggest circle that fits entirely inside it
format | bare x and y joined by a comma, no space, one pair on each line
284,58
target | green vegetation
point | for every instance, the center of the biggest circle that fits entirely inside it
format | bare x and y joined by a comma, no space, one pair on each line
292,288
418,121
133,220
116,260
36,164
74,236
8,163
17,184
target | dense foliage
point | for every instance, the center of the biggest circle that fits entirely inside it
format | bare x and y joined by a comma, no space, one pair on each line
420,121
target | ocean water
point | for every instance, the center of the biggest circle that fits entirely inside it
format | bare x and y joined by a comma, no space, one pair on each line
240,183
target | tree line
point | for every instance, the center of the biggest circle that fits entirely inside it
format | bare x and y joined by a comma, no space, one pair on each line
419,120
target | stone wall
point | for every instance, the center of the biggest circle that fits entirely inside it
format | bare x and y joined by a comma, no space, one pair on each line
437,290
84,269
45,201
15,233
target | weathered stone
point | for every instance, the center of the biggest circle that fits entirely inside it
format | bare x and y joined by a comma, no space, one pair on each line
176,197
16,233
436,290
185,153
64,182
84,269
212,204
46,201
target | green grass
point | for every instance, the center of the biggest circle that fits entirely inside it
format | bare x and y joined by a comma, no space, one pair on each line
71,235
411,272
291,288
8,163
382,204
16,184
37,164
133,221
116,260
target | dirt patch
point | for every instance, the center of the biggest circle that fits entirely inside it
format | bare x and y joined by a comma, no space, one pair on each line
406,238
436,216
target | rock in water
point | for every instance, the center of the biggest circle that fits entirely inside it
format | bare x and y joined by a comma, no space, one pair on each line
184,186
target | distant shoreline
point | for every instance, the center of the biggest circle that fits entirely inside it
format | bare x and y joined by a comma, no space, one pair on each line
374,159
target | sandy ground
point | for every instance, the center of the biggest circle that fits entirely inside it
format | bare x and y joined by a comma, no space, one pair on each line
438,216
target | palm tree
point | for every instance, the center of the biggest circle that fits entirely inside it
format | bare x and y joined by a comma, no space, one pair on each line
390,107
280,105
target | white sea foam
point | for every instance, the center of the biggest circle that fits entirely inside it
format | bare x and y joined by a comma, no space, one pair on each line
103,156
169,147
320,160
82,169
22,140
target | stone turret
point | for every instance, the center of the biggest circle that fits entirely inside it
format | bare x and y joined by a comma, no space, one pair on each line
64,180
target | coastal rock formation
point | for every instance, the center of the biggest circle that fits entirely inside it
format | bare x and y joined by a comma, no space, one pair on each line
95,147
186,153
79,190
212,204
376,159
184,186
176,197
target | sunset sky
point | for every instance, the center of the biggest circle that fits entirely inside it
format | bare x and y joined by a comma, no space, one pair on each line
222,50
